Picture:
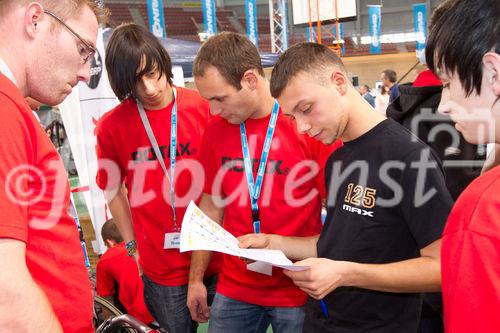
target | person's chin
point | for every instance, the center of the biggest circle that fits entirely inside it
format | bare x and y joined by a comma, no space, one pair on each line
471,138
55,100
233,120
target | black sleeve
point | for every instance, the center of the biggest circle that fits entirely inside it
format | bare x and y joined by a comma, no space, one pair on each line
426,200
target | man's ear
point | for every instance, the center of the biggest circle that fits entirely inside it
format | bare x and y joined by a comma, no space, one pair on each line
32,17
339,80
250,79
491,62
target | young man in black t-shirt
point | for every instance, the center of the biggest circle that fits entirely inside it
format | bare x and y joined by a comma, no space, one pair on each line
387,205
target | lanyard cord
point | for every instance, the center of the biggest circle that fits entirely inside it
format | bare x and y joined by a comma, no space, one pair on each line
254,188
156,148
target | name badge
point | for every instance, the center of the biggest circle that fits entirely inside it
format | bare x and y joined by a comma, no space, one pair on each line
172,240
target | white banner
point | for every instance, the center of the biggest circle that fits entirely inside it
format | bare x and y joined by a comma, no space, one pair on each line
80,112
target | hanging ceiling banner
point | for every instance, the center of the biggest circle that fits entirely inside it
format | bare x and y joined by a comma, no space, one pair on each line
156,19
251,16
420,23
209,20
374,18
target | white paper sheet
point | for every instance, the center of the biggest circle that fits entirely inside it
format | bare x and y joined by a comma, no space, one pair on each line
199,232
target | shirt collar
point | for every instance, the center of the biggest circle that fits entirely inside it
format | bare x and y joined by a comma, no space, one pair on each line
5,70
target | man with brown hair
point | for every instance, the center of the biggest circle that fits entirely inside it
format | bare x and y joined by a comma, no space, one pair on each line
45,51
154,119
286,170
389,79
387,205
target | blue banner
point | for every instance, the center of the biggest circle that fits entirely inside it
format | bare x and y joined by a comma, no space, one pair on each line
209,20
251,15
156,19
420,23
341,33
310,35
374,18
284,36
341,36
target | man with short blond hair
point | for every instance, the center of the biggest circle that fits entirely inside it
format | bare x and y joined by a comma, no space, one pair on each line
45,50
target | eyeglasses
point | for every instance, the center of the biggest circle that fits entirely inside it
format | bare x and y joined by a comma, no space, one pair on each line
87,51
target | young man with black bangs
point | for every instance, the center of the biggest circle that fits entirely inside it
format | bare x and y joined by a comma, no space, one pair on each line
387,205
154,119
464,51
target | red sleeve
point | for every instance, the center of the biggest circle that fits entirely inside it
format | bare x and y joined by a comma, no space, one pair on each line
207,157
320,153
15,156
471,280
105,283
109,172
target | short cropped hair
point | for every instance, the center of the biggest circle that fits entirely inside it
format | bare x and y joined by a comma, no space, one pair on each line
461,32
302,57
130,45
64,9
110,231
390,75
232,54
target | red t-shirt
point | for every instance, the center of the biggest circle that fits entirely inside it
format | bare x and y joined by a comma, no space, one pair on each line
222,158
116,267
34,198
470,256
122,139
426,78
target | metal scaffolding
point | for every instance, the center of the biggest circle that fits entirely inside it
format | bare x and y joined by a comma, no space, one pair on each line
278,19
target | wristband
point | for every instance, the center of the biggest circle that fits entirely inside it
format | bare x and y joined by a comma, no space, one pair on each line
131,247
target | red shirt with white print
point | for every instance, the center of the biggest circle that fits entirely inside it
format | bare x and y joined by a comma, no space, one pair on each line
34,199
289,203
122,142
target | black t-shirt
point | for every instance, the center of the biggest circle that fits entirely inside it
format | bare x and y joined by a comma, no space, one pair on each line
382,208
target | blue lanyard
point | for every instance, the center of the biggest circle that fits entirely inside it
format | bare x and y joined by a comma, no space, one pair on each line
77,221
254,188
173,148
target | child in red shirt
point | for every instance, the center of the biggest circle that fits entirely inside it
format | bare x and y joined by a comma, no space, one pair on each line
116,272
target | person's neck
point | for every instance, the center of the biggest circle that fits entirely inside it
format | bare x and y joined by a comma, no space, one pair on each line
265,102
170,94
362,118
168,97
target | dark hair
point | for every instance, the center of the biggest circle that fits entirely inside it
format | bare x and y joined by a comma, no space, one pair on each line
232,54
110,231
461,32
390,75
128,46
302,57
366,86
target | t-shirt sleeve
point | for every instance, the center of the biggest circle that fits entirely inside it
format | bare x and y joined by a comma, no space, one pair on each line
14,171
426,201
207,158
109,173
105,284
